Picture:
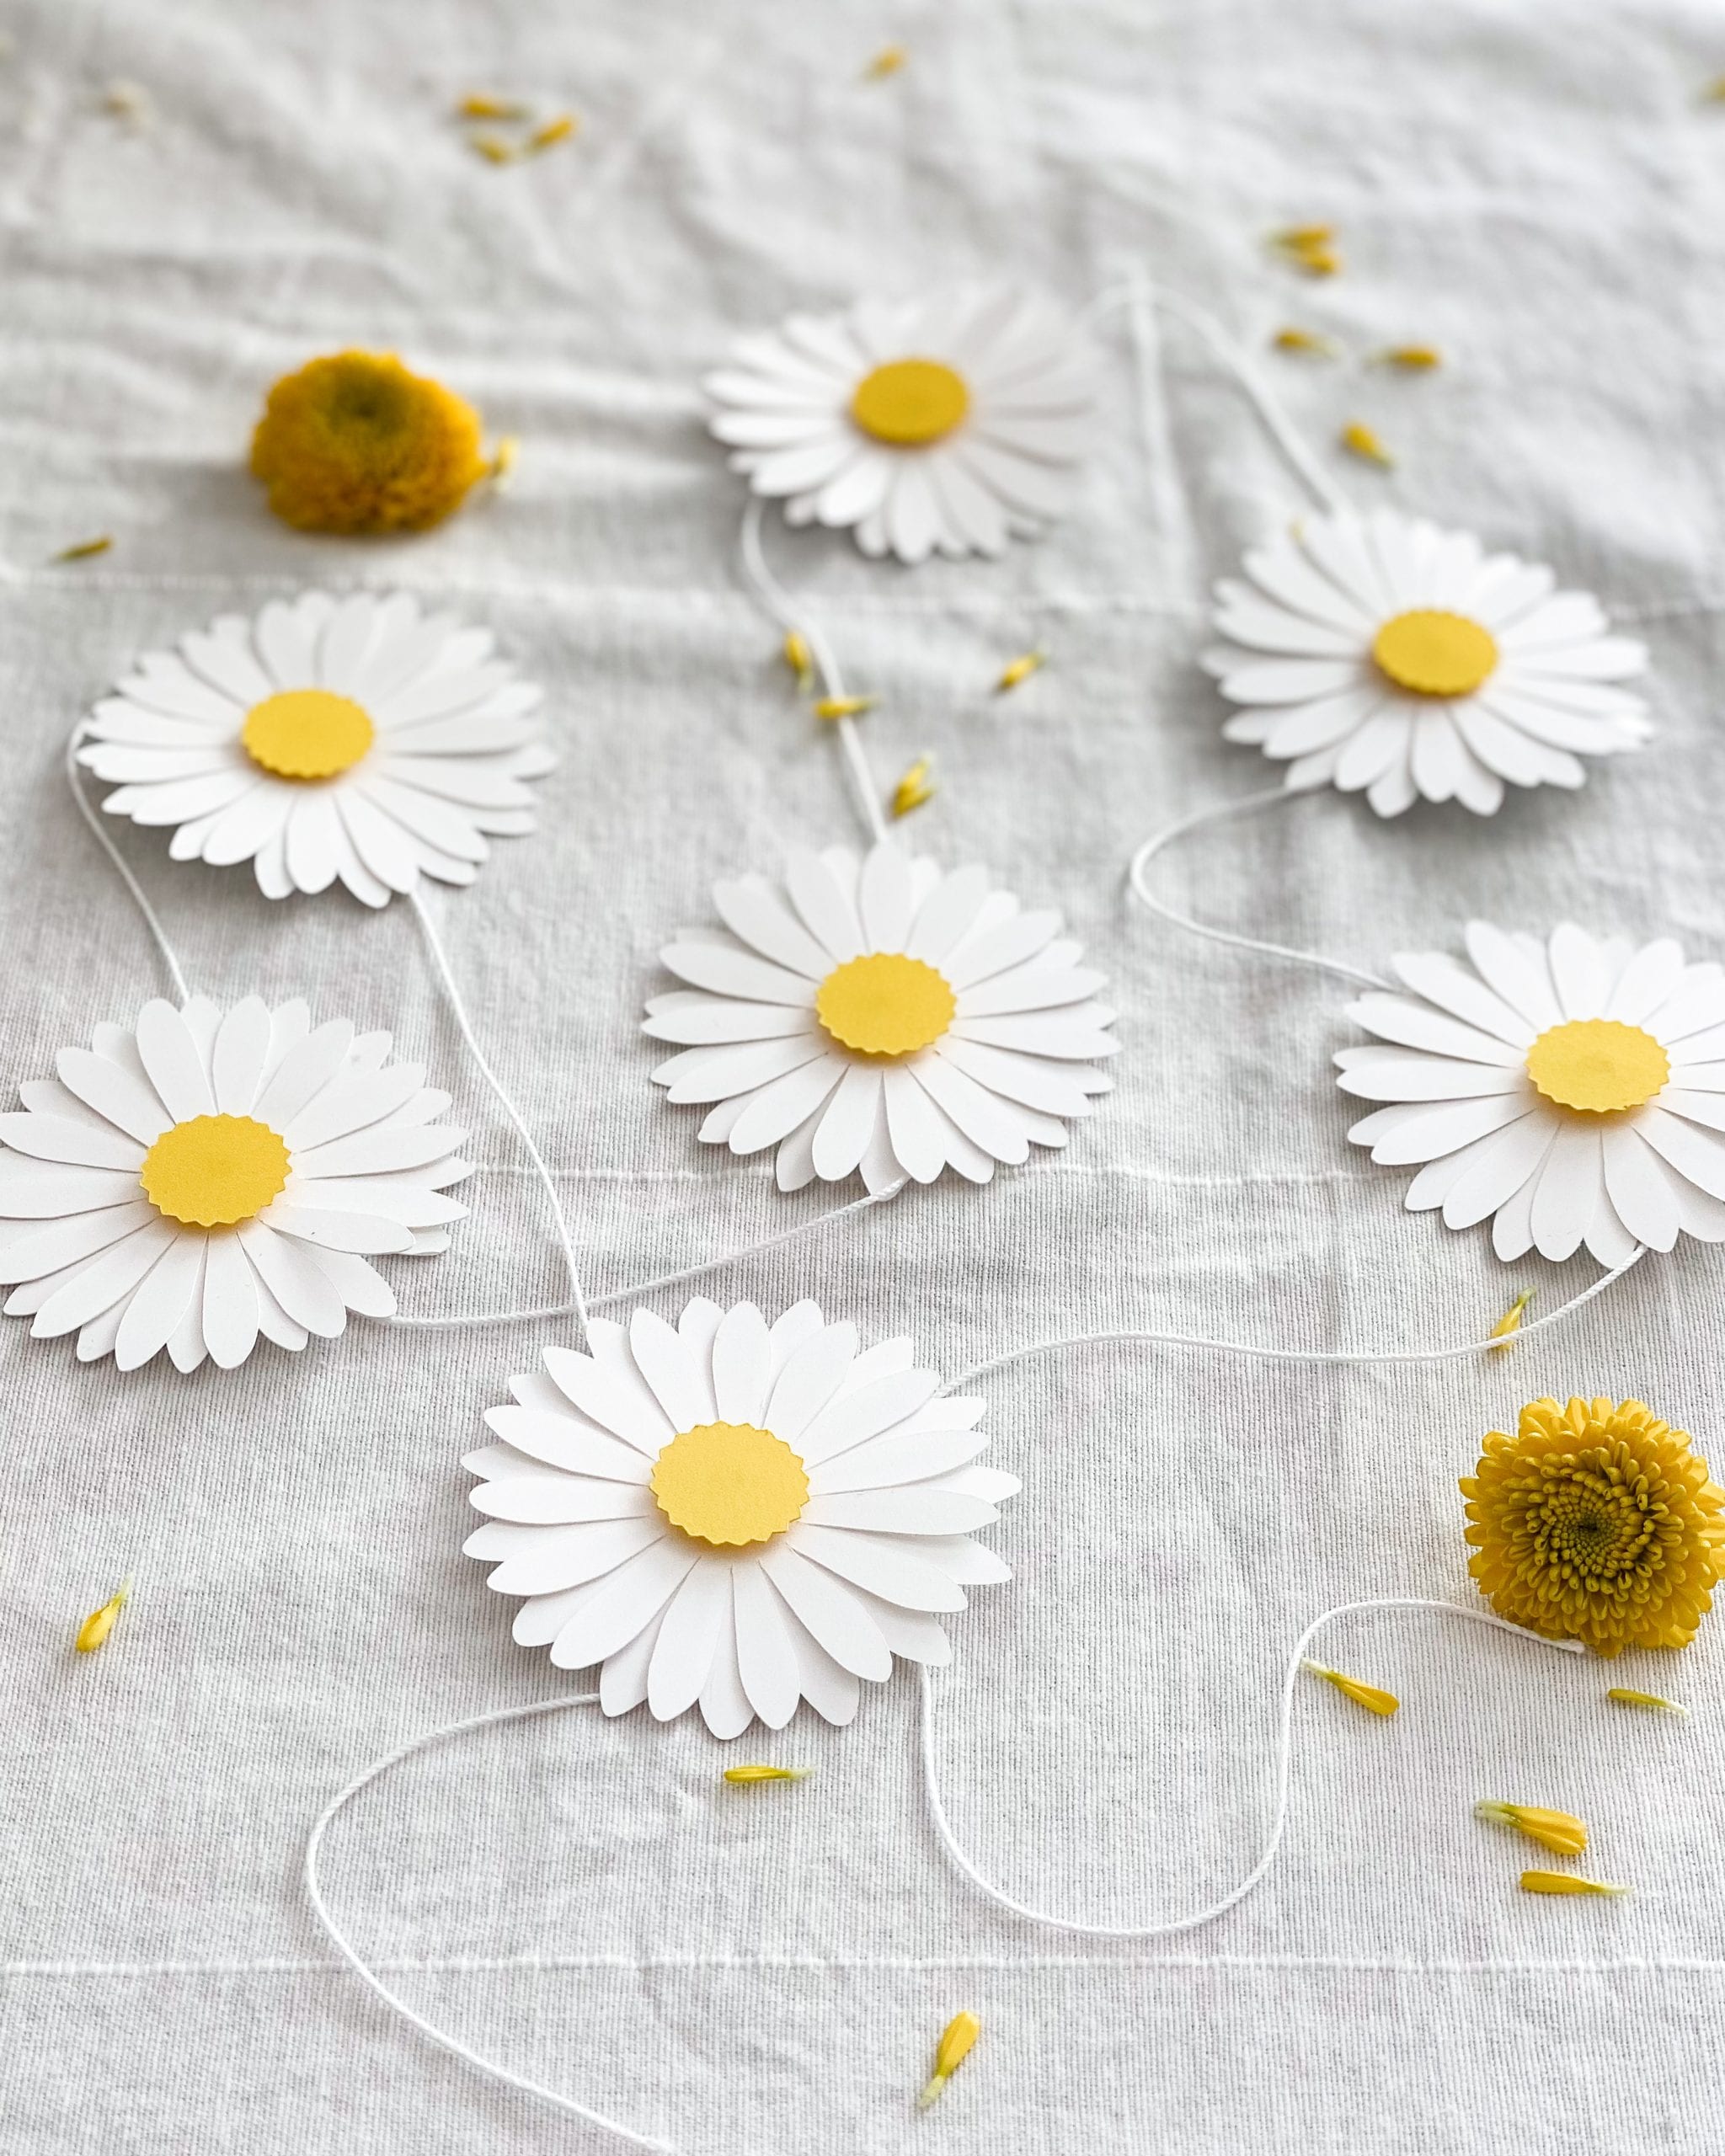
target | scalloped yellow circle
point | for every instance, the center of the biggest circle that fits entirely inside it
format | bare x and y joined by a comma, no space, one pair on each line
885,1004
306,734
1598,1065
1433,652
730,1484
214,1171
911,402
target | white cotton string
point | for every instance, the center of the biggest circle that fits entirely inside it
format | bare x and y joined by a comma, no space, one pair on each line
1246,805
1284,1763
577,1294
73,741
782,608
665,1279
1344,1357
315,1893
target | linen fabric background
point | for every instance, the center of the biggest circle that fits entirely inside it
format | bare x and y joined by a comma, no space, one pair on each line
1533,191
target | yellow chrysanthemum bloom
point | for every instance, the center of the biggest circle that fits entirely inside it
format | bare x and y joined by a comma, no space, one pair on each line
1596,1521
355,443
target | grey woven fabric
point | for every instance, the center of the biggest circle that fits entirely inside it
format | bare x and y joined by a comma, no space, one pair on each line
1535,191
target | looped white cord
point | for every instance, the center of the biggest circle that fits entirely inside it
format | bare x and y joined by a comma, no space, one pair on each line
1135,1336
458,1009
1284,1756
665,1279
779,604
113,854
314,1894
1248,805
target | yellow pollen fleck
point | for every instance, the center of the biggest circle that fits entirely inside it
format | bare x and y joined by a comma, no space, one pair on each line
730,1484
1565,1882
1368,1696
799,658
958,2036
84,549
887,61
1413,359
1360,441
494,149
1306,341
306,734
885,1004
504,458
214,1171
1597,1065
1020,670
845,707
1620,1695
129,101
908,403
553,131
1431,652
478,104
1505,1330
94,1630
913,789
745,1777
1560,1832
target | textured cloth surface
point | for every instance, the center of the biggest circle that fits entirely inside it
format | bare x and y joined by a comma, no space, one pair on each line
1533,191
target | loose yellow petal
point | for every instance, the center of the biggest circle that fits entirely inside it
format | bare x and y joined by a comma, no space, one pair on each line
958,2035
129,101
84,549
1505,1330
96,1627
1565,1882
1714,93
844,706
1413,359
1306,341
887,61
799,658
1302,238
478,104
1358,438
1364,1695
552,132
747,1776
1560,1832
492,148
1021,668
1621,1696
504,457
913,789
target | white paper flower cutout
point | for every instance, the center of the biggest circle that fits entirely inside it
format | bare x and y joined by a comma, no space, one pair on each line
941,425
1382,654
735,1514
204,1178
1572,1089
881,1016
350,738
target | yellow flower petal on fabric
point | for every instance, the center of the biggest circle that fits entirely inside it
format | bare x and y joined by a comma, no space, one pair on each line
1560,1832
478,104
85,549
131,102
1368,1696
746,1777
1505,1330
799,658
553,131
844,706
1620,1695
504,458
887,61
355,443
1565,1882
1361,441
913,789
492,148
1306,341
1020,670
959,2034
1412,358
1596,1523
96,1627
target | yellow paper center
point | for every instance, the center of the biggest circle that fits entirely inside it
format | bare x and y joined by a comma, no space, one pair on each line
305,734
1598,1065
1435,653
909,402
885,1004
729,1483
214,1170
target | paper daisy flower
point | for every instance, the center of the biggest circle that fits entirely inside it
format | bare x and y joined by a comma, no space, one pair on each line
1573,1090
202,1178
328,738
734,1512
942,426
883,1016
1384,655
1596,1521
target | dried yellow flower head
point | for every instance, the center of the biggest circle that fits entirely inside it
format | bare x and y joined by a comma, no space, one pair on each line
1595,1521
1560,1832
355,443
